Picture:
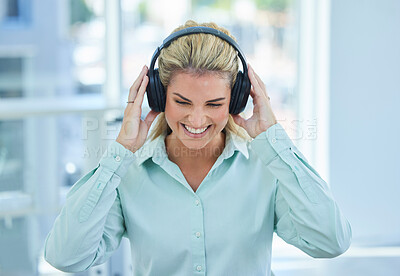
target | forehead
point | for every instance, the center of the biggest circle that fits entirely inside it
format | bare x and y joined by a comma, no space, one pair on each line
205,86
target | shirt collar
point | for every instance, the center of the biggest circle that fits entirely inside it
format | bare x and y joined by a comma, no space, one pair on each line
156,150
233,143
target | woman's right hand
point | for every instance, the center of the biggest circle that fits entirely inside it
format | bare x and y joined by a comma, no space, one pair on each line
134,130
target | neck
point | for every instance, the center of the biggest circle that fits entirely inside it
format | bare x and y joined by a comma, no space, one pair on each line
178,152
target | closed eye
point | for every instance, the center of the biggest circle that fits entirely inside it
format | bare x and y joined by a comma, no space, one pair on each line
182,103
186,103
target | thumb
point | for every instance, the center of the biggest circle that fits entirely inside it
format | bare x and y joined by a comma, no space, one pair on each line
150,117
239,120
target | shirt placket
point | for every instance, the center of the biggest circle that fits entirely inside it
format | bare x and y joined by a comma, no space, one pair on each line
197,219
197,237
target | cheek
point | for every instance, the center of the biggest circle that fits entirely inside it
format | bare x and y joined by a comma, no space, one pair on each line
169,110
169,114
172,114
221,117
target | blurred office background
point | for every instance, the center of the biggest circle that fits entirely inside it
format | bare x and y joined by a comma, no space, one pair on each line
332,69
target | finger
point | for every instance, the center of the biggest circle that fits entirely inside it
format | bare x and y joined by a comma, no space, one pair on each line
135,86
262,85
134,110
252,93
150,117
239,120
139,79
259,81
139,97
253,78
260,88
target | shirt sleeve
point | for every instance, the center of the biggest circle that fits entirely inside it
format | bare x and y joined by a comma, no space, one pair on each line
91,224
306,214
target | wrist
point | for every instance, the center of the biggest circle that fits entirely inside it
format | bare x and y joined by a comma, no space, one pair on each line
265,126
128,147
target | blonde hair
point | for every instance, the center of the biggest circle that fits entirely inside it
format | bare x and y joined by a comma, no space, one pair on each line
198,54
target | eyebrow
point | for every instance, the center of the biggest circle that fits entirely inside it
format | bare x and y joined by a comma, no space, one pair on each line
210,101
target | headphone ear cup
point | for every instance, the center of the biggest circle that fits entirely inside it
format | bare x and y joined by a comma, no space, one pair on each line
151,92
244,93
155,92
240,93
160,94
234,93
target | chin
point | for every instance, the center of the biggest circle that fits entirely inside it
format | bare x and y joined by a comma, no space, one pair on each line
195,145
192,143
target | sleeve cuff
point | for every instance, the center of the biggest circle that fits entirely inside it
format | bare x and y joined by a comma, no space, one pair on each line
270,143
117,158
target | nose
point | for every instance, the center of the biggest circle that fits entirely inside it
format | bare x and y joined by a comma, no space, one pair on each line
197,118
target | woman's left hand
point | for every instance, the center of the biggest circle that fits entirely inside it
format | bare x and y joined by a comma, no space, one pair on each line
262,117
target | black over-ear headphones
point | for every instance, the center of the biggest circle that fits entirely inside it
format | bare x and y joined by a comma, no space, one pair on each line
156,93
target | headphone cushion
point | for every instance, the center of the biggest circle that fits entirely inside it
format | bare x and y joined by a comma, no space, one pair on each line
160,92
155,92
235,93
240,93
244,94
151,92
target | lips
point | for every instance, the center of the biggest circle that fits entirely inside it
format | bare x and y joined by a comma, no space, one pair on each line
195,132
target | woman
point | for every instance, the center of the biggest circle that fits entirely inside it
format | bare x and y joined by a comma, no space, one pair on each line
204,195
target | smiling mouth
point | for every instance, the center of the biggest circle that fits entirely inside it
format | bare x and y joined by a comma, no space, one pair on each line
196,130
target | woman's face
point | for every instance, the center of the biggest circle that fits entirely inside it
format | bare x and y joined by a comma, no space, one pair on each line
197,108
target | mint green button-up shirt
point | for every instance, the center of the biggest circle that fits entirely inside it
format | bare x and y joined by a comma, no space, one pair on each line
224,228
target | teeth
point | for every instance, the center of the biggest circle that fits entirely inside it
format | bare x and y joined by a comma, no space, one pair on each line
195,130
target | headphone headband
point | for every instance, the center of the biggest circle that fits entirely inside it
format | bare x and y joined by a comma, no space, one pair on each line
195,30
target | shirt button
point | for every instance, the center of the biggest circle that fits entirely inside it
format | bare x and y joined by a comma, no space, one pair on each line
273,140
99,186
197,202
198,234
198,268
117,158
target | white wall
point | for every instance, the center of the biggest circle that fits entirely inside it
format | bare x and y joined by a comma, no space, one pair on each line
364,117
